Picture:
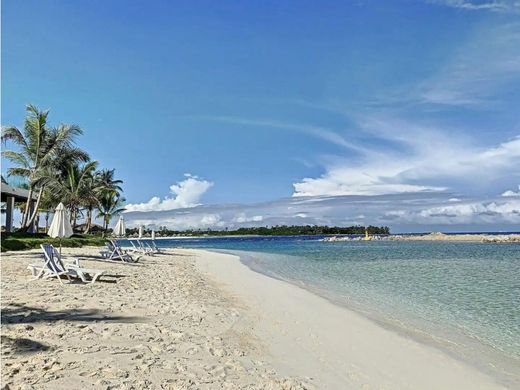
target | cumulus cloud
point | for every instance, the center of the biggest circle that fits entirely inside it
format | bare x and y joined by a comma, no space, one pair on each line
185,194
242,218
177,221
510,193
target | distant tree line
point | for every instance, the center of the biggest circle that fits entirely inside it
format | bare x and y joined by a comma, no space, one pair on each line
281,230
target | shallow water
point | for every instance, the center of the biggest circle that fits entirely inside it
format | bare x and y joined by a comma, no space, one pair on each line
464,297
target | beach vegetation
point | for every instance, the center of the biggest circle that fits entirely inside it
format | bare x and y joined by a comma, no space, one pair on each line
56,170
23,241
110,204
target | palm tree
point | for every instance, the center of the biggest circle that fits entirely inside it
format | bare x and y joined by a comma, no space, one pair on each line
75,188
103,182
107,181
110,204
40,147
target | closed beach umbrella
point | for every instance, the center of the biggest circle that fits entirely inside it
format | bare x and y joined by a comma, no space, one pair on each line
140,231
60,225
153,235
119,229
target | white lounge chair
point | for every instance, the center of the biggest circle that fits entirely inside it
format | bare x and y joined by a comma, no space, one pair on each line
115,252
138,247
154,246
55,266
145,247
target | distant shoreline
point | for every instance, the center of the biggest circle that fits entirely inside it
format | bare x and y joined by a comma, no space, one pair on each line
513,237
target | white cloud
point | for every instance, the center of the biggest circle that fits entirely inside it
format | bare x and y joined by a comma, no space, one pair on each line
418,157
315,131
510,193
179,221
402,212
423,158
488,63
242,218
464,213
186,193
495,5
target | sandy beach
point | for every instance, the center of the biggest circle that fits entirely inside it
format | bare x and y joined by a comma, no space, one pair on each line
193,319
157,325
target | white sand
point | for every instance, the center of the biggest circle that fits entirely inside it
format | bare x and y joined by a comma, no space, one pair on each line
158,325
200,320
339,349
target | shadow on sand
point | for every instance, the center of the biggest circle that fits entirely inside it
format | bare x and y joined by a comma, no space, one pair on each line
17,314
22,314
21,345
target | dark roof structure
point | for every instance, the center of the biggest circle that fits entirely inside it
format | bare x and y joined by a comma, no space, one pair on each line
19,194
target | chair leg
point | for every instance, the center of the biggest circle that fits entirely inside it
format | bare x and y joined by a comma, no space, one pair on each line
59,277
96,276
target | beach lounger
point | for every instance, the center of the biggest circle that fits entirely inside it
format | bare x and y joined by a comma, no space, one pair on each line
136,248
154,246
55,266
115,252
145,247
139,247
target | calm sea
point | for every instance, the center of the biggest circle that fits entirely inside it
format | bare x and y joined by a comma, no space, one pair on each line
461,297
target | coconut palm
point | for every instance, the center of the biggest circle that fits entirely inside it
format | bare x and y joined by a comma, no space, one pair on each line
106,180
110,204
40,147
75,188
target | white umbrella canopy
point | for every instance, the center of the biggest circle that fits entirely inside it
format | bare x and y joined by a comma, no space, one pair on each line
153,234
119,229
60,225
140,231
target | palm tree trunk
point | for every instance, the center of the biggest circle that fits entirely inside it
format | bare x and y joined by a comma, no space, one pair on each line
27,208
89,219
74,216
35,212
47,221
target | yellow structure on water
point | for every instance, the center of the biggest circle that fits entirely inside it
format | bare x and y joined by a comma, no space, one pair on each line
367,237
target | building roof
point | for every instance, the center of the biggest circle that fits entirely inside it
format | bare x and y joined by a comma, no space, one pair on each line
19,194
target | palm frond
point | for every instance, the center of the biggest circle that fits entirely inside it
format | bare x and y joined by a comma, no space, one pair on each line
20,172
11,133
17,158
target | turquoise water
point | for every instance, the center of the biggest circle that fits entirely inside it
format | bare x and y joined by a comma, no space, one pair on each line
463,297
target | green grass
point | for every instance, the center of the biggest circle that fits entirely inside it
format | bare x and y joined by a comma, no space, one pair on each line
23,241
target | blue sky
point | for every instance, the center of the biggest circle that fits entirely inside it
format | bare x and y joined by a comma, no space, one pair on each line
264,102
